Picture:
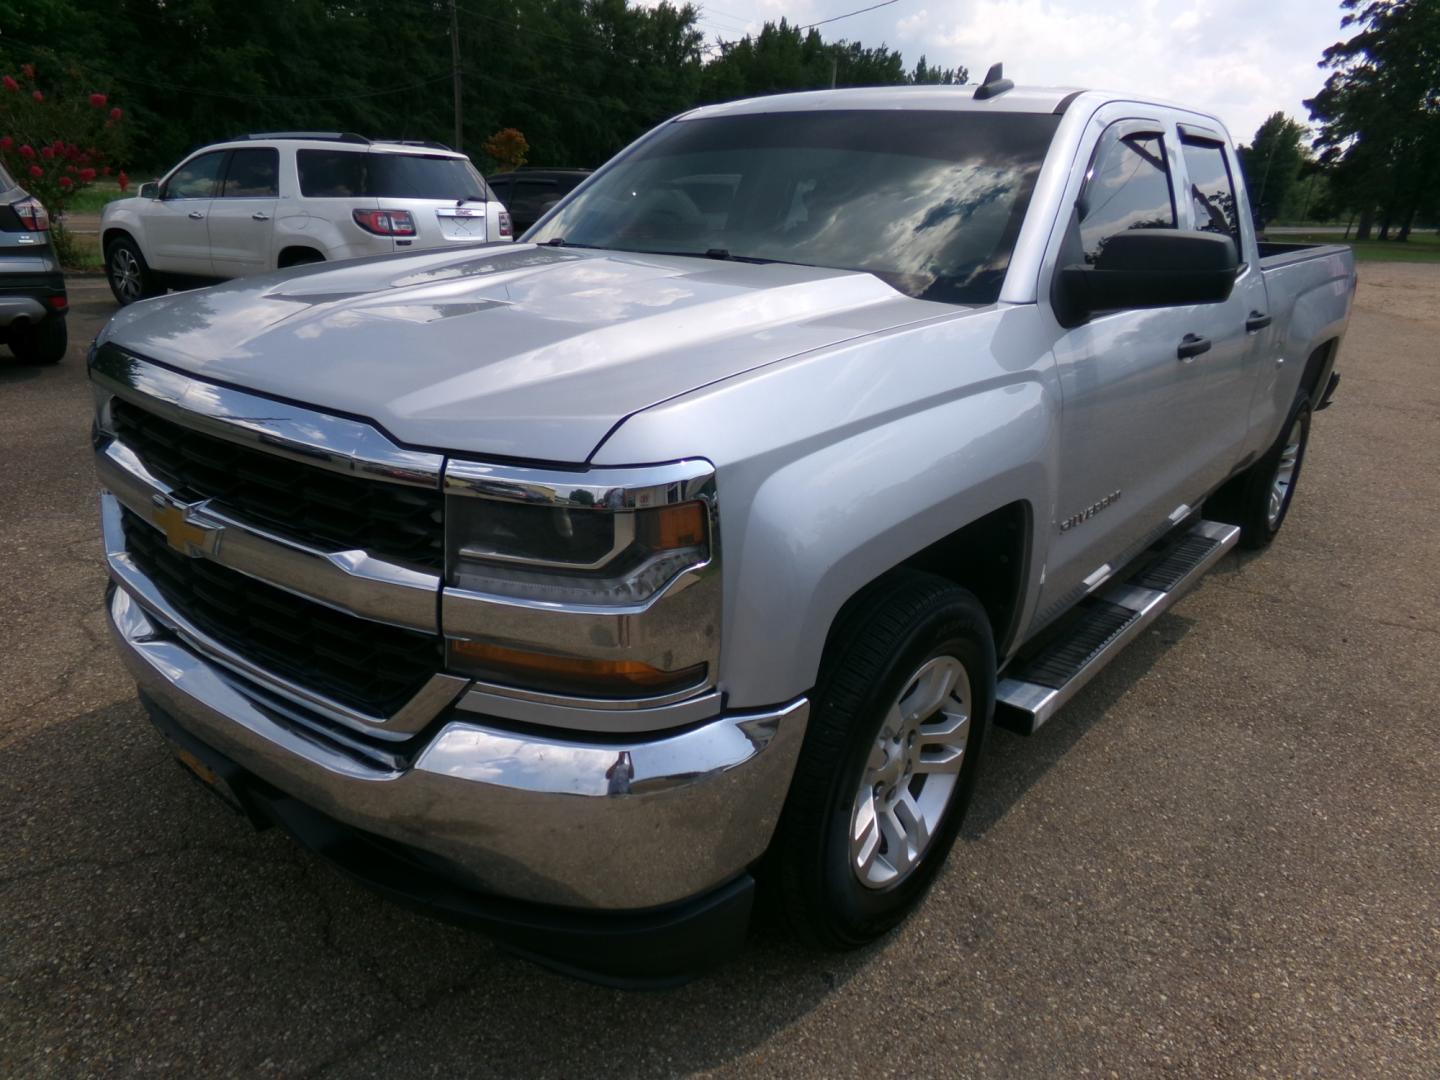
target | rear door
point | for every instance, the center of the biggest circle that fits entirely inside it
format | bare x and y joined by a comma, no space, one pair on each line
443,194
177,227
242,218
1236,329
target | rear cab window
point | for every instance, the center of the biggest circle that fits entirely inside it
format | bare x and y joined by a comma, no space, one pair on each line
1212,190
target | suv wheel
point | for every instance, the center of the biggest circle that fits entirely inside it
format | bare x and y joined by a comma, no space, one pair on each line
129,275
889,761
41,343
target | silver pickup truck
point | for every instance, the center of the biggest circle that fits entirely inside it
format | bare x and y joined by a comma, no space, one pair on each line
569,589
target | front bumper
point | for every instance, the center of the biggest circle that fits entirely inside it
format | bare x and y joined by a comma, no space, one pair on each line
601,827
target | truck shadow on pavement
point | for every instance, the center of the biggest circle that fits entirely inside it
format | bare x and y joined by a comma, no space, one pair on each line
151,924
1015,763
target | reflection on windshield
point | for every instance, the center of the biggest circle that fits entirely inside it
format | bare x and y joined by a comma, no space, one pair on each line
930,201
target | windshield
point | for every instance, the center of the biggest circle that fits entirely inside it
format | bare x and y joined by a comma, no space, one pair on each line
929,201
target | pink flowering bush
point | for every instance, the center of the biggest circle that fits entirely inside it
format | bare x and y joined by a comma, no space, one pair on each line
56,143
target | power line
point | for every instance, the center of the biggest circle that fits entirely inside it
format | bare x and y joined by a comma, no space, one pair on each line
848,14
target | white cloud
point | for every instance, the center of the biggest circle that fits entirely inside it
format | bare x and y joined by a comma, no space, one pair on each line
1239,59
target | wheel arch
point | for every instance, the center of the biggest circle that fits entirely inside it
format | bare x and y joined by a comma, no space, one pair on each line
298,255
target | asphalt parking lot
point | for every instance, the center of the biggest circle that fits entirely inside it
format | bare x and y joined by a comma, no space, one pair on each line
1222,860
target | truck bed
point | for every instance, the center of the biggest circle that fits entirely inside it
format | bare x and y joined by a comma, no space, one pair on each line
1277,253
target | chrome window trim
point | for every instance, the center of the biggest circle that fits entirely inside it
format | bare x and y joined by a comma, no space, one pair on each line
630,488
315,438
429,701
354,582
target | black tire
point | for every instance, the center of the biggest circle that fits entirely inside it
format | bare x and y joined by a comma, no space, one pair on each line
41,343
885,638
1246,500
128,273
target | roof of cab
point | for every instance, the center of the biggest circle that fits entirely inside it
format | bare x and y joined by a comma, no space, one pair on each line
1028,99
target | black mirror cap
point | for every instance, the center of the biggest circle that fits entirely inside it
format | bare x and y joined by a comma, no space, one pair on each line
1148,268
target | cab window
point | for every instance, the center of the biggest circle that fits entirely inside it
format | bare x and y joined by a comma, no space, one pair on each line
1129,188
1212,191
253,174
197,178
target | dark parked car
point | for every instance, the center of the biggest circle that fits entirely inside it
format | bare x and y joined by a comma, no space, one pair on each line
529,193
32,288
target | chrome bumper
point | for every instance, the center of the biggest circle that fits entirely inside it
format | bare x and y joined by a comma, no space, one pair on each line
606,825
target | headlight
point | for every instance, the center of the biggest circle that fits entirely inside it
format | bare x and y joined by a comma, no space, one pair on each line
569,584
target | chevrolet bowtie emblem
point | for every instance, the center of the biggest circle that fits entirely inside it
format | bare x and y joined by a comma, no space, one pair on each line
183,531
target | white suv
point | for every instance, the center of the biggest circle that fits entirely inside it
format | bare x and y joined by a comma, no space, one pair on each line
262,202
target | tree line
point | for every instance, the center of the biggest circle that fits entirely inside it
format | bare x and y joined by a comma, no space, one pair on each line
582,78
579,78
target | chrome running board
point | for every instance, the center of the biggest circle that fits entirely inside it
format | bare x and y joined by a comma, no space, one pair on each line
1034,691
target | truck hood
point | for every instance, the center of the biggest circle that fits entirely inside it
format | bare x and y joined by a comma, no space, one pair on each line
509,350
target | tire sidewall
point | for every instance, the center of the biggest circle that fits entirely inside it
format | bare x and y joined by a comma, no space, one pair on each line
147,285
1259,496
860,913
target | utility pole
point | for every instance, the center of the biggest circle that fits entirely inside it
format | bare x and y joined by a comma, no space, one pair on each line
834,66
455,72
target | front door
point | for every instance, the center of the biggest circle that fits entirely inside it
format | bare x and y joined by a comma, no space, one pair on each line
242,218
177,225
1142,429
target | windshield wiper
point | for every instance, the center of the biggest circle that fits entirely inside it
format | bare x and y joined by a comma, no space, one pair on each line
560,241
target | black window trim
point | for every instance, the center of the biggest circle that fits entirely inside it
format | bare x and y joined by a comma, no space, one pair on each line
233,153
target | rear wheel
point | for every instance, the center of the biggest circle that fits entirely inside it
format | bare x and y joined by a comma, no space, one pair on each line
889,761
1259,498
41,343
129,274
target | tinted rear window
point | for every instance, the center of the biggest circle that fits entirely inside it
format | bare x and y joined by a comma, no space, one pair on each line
5,181
930,202
350,173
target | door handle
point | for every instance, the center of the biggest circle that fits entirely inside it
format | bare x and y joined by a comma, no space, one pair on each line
1191,346
1256,321
259,217
195,215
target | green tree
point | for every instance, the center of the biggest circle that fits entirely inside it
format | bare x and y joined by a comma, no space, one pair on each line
1379,112
1272,164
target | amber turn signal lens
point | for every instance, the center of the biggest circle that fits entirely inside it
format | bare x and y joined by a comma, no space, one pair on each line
574,673
670,527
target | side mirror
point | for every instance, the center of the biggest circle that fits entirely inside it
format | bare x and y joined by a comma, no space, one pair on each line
1149,268
149,190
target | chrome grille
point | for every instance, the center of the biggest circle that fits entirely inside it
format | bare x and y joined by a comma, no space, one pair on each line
315,506
365,665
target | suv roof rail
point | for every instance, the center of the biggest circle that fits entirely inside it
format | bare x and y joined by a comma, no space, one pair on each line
427,144
329,136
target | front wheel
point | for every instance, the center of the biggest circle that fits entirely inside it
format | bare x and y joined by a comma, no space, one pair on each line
41,343
130,276
889,761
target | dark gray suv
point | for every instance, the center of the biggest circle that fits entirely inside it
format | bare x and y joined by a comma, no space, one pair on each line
33,303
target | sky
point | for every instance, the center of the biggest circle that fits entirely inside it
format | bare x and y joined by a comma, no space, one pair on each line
1238,59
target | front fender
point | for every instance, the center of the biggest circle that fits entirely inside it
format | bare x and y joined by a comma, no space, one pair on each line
837,466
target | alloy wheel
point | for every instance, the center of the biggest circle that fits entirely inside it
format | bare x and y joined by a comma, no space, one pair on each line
912,773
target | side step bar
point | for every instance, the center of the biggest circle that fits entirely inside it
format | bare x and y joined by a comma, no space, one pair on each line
1032,693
